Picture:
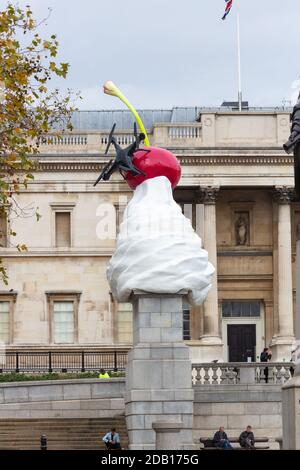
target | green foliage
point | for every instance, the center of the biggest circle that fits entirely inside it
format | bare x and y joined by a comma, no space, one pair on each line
28,109
19,377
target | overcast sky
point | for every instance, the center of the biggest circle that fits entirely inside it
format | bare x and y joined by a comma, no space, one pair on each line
165,53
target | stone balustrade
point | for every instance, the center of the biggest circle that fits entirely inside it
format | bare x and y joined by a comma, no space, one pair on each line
232,373
180,135
64,140
266,128
185,132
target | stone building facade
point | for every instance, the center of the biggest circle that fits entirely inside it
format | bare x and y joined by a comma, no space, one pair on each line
237,188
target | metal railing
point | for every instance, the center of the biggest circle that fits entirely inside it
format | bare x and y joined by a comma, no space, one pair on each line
232,373
62,361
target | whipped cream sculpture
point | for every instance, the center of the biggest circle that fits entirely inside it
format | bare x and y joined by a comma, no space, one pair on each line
157,249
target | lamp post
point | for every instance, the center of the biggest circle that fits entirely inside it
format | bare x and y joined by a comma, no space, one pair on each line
43,442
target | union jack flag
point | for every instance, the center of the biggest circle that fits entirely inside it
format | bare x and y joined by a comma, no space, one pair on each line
227,9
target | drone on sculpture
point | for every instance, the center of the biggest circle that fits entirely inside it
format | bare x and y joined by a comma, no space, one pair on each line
123,159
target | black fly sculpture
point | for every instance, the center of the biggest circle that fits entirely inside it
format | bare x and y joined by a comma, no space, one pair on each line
123,159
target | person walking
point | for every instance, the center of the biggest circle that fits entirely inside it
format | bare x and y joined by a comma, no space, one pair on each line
246,438
112,440
266,356
221,440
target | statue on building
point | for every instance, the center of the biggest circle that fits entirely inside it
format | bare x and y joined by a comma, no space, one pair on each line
293,144
294,138
241,231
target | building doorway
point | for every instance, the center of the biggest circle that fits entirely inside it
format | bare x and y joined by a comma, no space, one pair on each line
243,327
241,342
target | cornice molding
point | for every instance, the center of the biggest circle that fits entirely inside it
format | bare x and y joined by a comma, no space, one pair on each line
51,294
63,164
236,160
9,294
57,254
69,166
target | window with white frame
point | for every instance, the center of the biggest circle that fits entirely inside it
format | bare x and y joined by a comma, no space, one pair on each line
63,321
4,321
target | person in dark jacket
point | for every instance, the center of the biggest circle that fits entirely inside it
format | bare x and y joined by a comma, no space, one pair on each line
266,356
246,438
221,440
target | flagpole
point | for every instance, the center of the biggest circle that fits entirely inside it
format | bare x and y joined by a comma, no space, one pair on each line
239,56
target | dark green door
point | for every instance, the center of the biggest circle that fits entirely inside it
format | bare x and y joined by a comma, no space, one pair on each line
241,341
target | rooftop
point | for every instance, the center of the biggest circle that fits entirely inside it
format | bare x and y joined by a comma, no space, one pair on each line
104,119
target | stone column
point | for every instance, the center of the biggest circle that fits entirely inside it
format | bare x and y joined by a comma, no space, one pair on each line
284,337
158,378
211,344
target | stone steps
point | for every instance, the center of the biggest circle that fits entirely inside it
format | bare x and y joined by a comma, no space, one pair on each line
62,434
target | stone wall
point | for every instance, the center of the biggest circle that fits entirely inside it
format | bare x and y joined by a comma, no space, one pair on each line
88,398
231,406
235,407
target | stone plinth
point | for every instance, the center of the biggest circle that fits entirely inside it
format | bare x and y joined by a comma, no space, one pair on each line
291,390
158,381
167,435
291,414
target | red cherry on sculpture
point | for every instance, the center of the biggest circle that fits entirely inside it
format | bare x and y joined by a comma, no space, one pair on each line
157,162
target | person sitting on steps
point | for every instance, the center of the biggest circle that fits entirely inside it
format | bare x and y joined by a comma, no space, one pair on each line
112,440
